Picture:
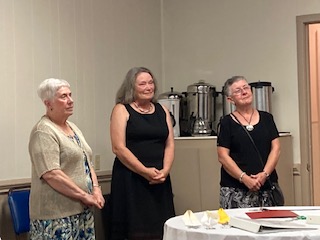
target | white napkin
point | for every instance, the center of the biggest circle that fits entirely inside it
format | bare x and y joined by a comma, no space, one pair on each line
190,220
209,219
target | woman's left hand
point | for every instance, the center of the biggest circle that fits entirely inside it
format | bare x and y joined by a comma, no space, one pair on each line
159,178
261,177
98,196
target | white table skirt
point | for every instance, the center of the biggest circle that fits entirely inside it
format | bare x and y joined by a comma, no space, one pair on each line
175,229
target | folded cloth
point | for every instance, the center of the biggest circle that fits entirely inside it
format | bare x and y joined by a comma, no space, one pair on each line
190,220
209,219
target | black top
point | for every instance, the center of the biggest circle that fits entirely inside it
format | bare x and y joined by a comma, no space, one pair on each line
139,209
147,132
242,151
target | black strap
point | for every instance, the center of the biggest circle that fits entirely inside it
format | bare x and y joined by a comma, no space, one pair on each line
254,145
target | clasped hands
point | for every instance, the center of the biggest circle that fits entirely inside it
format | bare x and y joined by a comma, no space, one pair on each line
95,199
255,181
155,176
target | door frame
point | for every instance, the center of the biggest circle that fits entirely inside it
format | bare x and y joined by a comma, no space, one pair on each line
304,106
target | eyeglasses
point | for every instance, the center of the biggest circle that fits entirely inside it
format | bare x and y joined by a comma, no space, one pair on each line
239,91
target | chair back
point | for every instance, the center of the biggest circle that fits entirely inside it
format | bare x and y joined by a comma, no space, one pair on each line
18,200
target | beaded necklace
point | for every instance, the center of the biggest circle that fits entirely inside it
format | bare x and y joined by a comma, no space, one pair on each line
141,109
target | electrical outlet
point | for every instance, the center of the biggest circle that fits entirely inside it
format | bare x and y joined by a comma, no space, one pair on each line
97,162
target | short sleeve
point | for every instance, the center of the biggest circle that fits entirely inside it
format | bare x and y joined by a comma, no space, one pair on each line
224,139
273,131
44,152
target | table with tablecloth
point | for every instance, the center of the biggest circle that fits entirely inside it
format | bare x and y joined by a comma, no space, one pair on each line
175,228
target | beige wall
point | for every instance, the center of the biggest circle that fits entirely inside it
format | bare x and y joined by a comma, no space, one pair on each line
93,43
214,40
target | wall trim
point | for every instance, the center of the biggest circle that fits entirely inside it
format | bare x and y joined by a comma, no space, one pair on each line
5,185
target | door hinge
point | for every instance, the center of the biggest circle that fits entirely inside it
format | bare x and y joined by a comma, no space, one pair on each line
308,167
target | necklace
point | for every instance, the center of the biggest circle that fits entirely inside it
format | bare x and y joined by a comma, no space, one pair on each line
141,109
249,127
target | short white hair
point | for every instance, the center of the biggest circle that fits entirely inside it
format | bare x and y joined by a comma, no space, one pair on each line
48,88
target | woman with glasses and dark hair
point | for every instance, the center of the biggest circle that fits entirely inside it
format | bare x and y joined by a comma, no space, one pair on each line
244,172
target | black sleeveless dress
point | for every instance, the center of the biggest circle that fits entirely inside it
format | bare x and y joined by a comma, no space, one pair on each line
138,209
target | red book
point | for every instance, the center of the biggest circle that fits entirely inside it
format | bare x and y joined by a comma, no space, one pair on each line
272,214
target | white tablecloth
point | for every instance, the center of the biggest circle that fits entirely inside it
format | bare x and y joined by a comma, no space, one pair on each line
175,229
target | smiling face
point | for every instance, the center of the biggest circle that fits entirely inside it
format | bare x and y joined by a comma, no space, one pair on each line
62,103
240,93
144,87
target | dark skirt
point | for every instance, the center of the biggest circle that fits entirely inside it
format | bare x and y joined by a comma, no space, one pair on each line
137,209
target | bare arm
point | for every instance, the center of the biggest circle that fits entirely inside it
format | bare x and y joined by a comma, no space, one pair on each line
59,181
168,152
227,162
272,161
96,191
273,157
233,169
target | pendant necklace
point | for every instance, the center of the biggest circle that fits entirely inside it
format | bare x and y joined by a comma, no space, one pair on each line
249,127
141,109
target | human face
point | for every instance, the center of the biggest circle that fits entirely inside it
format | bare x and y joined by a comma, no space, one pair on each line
241,92
144,87
62,103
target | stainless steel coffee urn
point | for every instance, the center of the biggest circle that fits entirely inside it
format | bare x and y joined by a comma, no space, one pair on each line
171,100
201,104
262,92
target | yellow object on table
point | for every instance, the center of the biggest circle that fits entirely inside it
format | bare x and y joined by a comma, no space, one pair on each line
223,216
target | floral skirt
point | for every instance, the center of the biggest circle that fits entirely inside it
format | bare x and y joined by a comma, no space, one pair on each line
76,227
240,198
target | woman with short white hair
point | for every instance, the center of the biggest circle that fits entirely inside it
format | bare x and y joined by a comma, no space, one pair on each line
64,185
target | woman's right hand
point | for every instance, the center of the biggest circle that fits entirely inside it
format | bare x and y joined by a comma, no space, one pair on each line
252,183
153,175
59,181
90,201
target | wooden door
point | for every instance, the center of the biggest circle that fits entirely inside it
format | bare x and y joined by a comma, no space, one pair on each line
314,61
